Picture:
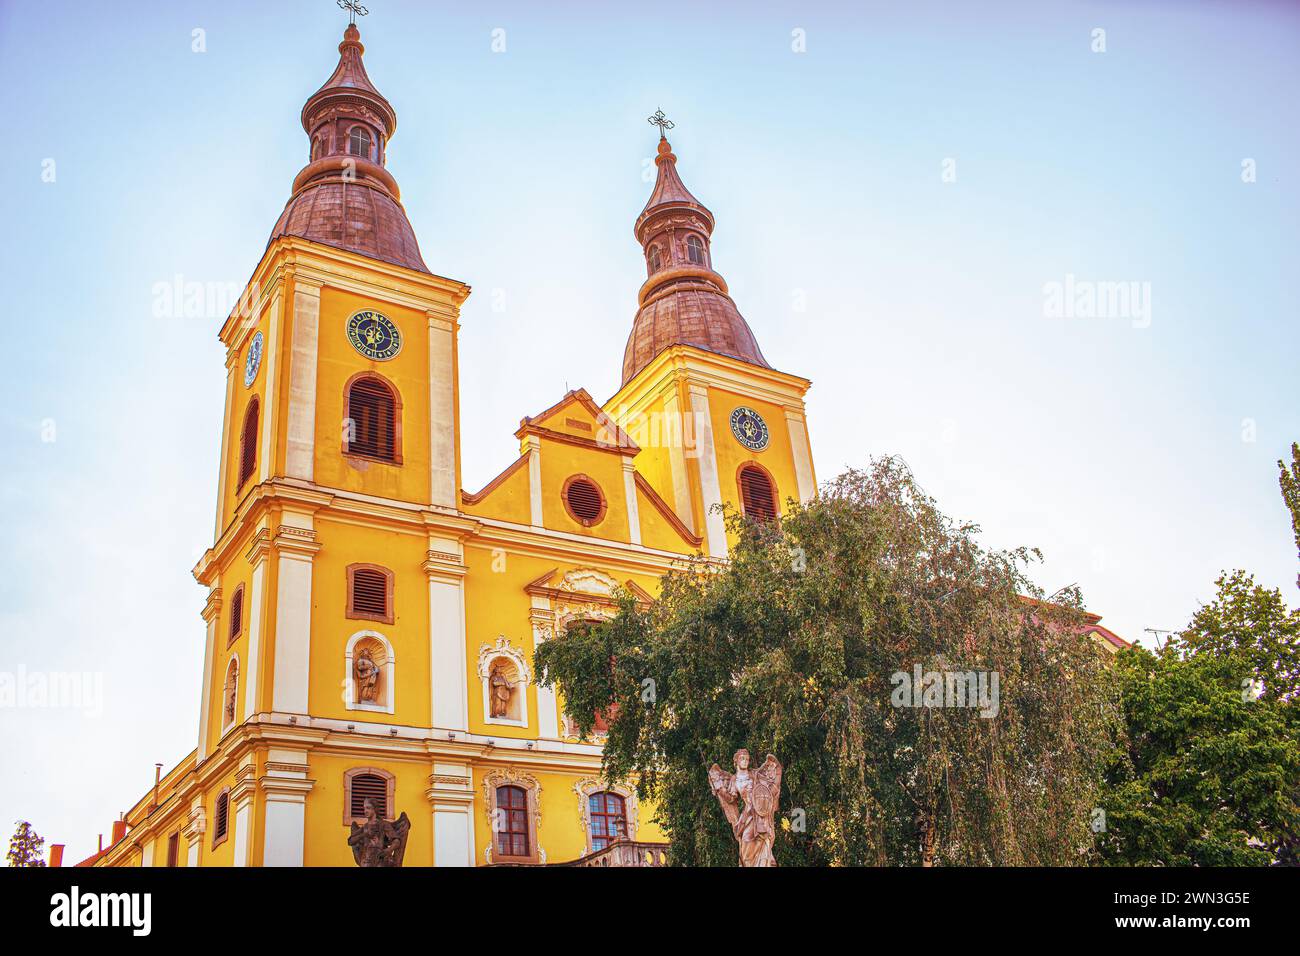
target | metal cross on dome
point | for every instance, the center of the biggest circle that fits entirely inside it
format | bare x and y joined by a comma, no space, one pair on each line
354,9
663,122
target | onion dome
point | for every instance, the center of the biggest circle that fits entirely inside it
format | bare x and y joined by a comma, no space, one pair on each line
683,302
344,197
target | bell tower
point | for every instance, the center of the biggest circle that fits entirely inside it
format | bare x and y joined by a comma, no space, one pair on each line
715,422
337,530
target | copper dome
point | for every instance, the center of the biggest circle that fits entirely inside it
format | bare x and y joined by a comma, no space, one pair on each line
683,302
344,197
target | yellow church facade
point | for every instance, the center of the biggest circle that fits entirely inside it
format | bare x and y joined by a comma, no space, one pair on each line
371,624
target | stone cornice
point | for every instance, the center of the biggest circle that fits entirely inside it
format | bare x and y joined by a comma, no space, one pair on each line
696,365
340,269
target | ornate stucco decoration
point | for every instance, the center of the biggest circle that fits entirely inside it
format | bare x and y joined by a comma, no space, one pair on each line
512,776
504,673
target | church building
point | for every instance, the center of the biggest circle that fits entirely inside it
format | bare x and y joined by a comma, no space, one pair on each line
370,623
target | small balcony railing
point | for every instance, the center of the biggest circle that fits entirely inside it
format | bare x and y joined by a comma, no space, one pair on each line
626,853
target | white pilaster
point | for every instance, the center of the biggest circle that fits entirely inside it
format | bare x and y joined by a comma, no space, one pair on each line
285,787
442,408
269,402
548,707
195,826
300,448
629,489
535,480
710,489
451,799
241,799
674,434
448,673
211,614
223,466
295,540
801,451
257,555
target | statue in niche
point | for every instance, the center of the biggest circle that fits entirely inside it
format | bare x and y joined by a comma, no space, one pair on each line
749,799
500,689
365,673
378,842
232,691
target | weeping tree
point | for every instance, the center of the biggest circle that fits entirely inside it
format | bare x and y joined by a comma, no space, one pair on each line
809,642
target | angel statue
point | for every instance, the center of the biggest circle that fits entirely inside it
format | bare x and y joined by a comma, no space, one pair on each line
379,842
758,791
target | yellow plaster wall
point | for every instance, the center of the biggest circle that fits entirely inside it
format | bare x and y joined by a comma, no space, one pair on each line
408,372
327,834
403,553
731,454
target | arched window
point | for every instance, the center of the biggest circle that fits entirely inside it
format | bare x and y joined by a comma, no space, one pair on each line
221,819
695,250
608,815
372,423
318,147
236,615
655,260
757,493
359,142
511,824
370,593
248,443
366,783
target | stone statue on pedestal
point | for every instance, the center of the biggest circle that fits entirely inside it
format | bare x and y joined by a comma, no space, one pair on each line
378,842
749,799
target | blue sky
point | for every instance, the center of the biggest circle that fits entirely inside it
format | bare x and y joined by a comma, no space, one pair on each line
1138,455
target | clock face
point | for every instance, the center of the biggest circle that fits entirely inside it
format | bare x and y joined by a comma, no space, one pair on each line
749,428
374,335
254,360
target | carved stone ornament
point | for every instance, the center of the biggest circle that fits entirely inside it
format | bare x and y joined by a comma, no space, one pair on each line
489,653
749,799
377,842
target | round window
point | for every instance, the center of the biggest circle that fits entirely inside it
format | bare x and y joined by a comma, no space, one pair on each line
583,500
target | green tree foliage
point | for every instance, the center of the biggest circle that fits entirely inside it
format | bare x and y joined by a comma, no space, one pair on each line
25,846
1251,622
1208,771
1289,478
789,647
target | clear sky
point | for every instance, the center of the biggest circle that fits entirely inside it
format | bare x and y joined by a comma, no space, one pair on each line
1137,451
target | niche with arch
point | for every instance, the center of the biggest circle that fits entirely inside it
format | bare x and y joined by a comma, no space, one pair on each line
368,677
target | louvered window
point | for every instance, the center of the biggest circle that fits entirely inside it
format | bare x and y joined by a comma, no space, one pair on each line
757,496
655,261
368,786
221,818
369,594
236,614
512,821
371,428
584,500
248,444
